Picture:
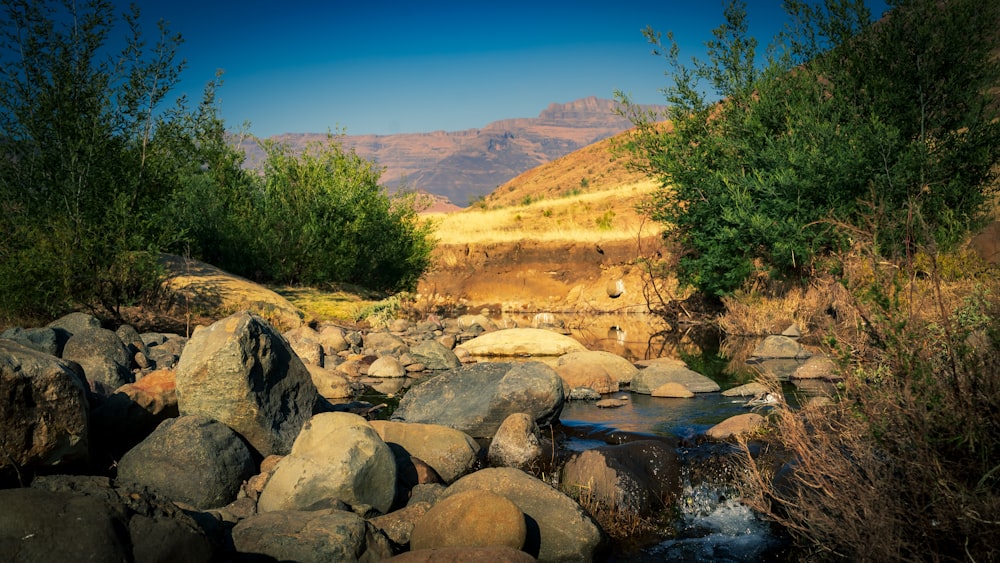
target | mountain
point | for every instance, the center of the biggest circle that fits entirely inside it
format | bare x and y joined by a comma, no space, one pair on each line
466,165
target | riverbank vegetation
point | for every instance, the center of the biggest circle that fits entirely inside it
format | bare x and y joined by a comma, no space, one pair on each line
846,170
101,171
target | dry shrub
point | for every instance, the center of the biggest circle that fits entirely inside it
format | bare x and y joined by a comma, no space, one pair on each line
905,465
621,524
765,307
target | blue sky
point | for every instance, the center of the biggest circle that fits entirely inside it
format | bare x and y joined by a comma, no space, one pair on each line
372,66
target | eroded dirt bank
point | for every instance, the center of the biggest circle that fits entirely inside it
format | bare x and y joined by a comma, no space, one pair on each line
534,276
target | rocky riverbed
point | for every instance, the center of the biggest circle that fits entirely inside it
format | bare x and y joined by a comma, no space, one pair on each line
243,443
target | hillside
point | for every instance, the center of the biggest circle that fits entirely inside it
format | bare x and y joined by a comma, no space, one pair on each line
465,165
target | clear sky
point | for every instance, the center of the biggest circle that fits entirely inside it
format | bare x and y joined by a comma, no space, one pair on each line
376,66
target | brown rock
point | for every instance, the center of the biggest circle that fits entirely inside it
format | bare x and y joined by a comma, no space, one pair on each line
582,374
471,519
398,525
672,390
816,367
493,554
739,424
516,442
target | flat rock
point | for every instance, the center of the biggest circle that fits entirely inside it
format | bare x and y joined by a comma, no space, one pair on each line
739,424
672,390
780,347
751,389
816,367
522,342
659,374
620,369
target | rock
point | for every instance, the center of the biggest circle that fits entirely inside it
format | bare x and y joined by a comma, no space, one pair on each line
45,340
620,369
673,390
105,360
132,340
398,525
516,443
241,372
467,322
582,374
792,331
451,453
641,477
332,339
43,412
816,367
75,322
317,536
166,353
779,347
493,554
558,529
386,366
384,344
477,398
434,355
470,519
739,424
583,394
751,389
329,384
657,374
306,344
132,412
69,519
610,403
522,342
191,459
615,288
336,456
399,326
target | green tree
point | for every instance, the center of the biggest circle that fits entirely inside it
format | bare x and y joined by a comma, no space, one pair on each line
844,126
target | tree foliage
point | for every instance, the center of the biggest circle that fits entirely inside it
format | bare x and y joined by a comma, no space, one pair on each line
846,125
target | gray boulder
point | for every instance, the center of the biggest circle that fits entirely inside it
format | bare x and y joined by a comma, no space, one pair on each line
654,376
384,344
434,355
558,529
43,412
307,344
477,398
75,322
338,456
780,347
191,459
316,536
451,453
241,372
164,350
105,360
46,339
641,477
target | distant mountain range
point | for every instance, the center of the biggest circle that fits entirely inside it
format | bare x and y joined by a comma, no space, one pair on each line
465,165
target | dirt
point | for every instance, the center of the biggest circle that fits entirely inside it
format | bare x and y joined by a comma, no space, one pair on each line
533,276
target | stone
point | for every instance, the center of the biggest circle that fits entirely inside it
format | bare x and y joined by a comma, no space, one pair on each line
73,323
470,519
332,339
399,326
131,338
615,288
641,477
451,453
516,443
816,367
583,394
306,344
398,525
191,459
330,384
386,366
751,389
610,403
620,369
779,347
493,554
522,342
336,456
43,412
656,375
384,344
593,376
166,353
241,372
739,424
315,536
558,528
434,355
792,331
132,412
45,339
477,398
466,322
106,362
672,390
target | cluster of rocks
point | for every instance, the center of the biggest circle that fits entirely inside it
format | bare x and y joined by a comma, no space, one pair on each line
241,443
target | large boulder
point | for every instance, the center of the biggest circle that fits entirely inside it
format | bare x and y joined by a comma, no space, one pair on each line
105,360
45,339
330,384
734,425
621,370
654,376
471,519
132,412
307,344
337,456
641,477
779,347
192,459
477,398
451,453
434,355
522,342
315,536
589,376
69,519
43,411
73,323
558,529
241,372
384,344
